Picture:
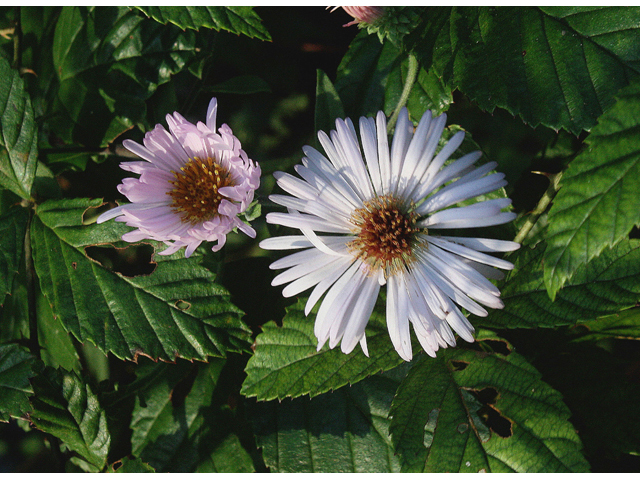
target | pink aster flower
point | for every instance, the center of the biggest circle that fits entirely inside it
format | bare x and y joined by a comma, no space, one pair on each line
193,183
362,14
371,217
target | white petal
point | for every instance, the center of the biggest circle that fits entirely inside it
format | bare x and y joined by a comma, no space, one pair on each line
361,312
398,317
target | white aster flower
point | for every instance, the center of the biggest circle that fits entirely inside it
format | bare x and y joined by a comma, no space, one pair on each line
194,182
377,210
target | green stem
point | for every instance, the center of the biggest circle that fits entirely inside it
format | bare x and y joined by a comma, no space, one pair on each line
544,202
412,74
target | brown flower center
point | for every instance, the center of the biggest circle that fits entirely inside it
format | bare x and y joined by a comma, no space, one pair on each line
385,234
195,194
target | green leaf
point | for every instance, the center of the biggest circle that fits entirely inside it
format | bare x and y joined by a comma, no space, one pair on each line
109,61
328,104
178,427
286,362
625,324
238,20
606,285
16,368
130,465
18,133
371,77
13,226
66,407
599,202
343,431
474,411
177,311
555,66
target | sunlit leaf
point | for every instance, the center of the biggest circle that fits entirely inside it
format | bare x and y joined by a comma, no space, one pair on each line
599,202
286,362
176,311
606,285
66,407
343,431
475,411
16,368
555,66
235,19
18,133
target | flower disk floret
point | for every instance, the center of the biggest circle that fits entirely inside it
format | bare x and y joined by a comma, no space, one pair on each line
369,213
193,183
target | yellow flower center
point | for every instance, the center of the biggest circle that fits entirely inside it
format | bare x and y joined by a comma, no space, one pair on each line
385,234
195,194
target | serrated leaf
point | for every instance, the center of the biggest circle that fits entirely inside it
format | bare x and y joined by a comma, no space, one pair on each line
342,431
177,311
13,226
109,61
16,368
178,427
555,66
371,77
67,408
286,362
471,411
606,285
235,19
599,202
18,133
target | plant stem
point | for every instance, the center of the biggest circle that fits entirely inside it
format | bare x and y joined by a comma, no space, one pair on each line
412,74
552,190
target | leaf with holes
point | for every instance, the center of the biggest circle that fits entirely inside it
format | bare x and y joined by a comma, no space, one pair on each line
66,407
343,431
599,202
286,362
555,66
176,311
13,226
606,285
476,411
16,368
238,20
18,133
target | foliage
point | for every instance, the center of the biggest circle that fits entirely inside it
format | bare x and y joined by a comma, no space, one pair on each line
129,361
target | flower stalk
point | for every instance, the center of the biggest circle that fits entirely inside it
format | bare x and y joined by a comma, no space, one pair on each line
412,75
549,194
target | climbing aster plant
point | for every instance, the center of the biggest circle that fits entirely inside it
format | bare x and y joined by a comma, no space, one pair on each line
360,239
